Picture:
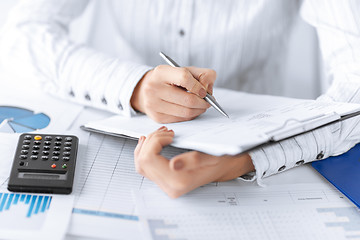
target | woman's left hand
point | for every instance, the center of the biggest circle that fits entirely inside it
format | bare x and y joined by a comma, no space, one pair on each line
186,171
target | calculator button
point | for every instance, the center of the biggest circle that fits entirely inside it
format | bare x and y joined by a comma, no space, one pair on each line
23,157
35,152
26,142
46,148
45,158
56,153
21,163
68,139
36,147
25,147
67,149
66,159
68,144
66,154
45,153
27,137
57,148
58,138
57,143
64,166
34,157
37,142
47,143
55,158
37,138
24,152
48,138
53,165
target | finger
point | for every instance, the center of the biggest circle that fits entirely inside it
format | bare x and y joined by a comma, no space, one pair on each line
177,95
180,111
192,161
181,77
138,146
165,118
205,76
155,141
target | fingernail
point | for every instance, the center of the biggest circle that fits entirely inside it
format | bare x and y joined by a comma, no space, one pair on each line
178,165
202,93
162,128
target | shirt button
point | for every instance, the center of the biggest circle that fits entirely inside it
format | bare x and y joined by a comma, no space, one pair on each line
104,101
281,168
320,155
182,32
120,106
300,162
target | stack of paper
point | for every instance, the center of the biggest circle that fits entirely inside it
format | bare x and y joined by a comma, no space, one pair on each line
254,120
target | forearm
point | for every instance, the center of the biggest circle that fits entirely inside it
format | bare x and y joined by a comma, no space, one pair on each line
36,38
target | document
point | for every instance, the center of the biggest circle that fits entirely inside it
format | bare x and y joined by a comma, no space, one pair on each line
254,120
104,205
303,211
28,111
26,215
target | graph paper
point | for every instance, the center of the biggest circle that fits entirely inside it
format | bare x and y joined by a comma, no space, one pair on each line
104,205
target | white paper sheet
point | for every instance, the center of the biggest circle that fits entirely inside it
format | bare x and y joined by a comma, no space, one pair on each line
62,114
104,206
16,222
304,211
254,119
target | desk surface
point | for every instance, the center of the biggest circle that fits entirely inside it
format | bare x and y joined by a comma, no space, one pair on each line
299,175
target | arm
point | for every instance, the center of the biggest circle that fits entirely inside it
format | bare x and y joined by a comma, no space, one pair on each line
340,43
36,40
338,27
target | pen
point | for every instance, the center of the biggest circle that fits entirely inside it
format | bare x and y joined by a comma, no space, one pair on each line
210,99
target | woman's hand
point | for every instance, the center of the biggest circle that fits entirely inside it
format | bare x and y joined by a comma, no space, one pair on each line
168,94
186,171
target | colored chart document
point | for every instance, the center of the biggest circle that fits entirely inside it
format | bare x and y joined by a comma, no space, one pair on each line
33,216
20,120
22,111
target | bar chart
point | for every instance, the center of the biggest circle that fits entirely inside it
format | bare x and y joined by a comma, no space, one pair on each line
37,204
28,210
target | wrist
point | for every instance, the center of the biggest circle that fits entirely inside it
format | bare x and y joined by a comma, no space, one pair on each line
246,164
135,100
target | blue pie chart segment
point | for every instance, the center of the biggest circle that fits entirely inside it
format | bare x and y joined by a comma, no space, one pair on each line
19,120
37,121
19,128
14,112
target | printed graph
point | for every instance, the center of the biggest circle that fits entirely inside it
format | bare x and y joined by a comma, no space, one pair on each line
20,120
26,210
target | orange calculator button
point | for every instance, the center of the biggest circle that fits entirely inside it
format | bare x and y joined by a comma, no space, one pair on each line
37,137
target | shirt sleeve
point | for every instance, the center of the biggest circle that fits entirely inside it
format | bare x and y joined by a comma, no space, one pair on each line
36,41
338,28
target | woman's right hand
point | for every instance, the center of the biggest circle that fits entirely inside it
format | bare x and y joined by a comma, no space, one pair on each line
170,94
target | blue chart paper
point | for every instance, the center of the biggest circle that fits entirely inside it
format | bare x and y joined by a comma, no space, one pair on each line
343,172
26,210
19,120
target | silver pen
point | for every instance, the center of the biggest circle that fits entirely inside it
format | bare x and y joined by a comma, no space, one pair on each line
210,99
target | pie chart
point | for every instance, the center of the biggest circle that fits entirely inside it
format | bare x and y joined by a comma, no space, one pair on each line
20,120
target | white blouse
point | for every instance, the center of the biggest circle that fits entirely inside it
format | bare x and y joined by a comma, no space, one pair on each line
245,41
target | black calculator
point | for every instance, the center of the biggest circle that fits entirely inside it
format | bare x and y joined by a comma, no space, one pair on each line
44,163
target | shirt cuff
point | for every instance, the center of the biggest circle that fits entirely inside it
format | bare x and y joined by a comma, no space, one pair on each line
286,154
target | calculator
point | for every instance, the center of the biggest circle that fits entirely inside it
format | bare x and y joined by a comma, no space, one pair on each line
44,163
